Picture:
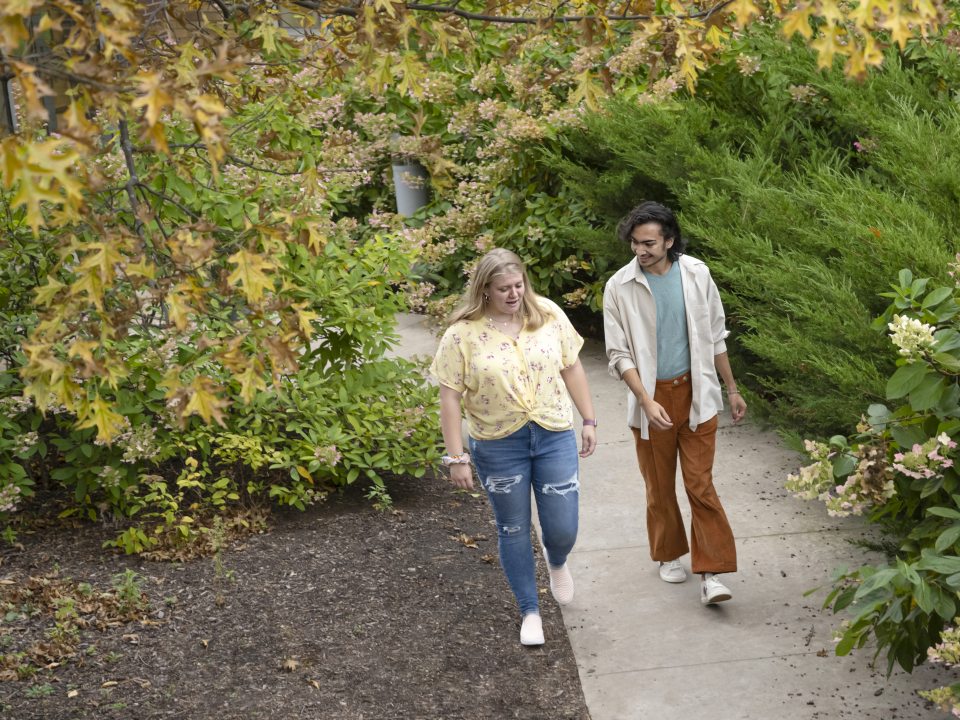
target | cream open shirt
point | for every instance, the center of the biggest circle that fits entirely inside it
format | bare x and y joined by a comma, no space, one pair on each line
630,330
506,383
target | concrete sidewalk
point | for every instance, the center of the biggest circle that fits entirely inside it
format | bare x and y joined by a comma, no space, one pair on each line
648,650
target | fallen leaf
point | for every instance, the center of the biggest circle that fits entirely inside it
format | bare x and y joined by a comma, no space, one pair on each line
465,539
314,684
488,558
205,643
289,665
73,693
110,684
132,638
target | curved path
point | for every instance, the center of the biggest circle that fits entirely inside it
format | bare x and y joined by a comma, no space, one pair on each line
648,650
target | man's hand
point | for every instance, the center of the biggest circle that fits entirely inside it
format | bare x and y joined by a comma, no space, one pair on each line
738,407
656,415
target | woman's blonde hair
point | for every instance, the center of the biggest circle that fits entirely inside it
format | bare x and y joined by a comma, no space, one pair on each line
498,262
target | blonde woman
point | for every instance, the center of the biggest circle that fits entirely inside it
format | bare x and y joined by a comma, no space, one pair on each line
510,358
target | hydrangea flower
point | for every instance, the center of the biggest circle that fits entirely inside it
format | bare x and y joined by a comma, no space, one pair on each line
912,337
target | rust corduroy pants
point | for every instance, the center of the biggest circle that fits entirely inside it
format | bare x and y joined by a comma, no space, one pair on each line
710,535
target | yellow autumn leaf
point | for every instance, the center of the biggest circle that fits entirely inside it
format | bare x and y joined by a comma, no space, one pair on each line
114,371
251,380
588,90
178,306
798,21
99,414
386,6
251,274
76,122
122,10
305,319
143,268
744,11
832,12
157,135
33,87
691,57
380,73
153,97
268,32
370,23
715,37
46,292
102,257
304,473
204,400
13,32
83,349
39,389
899,23
828,46
411,73
88,281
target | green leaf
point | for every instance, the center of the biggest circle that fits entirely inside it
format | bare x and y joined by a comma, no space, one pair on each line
944,512
876,581
846,644
944,605
946,340
948,361
924,596
844,465
906,378
908,436
937,296
947,538
927,395
945,565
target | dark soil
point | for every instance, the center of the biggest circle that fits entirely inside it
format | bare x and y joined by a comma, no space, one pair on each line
338,612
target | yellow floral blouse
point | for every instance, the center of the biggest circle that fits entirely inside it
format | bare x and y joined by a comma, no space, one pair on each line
506,383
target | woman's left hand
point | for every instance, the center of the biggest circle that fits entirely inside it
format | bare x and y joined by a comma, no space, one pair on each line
588,441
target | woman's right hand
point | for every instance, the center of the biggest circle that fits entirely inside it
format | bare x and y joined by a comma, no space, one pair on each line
462,476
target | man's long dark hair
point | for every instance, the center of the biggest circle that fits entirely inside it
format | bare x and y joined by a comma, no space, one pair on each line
650,211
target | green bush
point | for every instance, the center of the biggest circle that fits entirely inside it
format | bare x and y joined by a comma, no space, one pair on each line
338,413
804,192
900,470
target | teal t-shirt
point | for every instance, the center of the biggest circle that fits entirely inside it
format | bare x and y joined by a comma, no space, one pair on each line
673,346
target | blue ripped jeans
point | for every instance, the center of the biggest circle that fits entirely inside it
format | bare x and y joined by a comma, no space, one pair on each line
546,461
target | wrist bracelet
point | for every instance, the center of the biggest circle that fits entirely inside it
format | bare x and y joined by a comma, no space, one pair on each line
733,392
461,459
591,423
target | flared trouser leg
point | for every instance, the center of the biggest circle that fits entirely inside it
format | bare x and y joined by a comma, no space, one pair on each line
711,539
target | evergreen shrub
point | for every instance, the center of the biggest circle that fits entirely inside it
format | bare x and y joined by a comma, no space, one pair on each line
794,185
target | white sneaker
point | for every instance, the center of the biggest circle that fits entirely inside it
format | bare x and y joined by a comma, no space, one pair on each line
561,580
531,630
672,572
713,591
561,583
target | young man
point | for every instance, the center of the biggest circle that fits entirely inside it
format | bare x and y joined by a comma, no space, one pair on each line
665,329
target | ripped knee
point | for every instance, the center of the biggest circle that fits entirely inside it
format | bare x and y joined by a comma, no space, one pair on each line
501,484
571,485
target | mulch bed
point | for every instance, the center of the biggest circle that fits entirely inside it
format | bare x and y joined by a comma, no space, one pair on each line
338,612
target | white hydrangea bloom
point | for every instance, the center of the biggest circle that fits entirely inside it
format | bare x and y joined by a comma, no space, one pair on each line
911,336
